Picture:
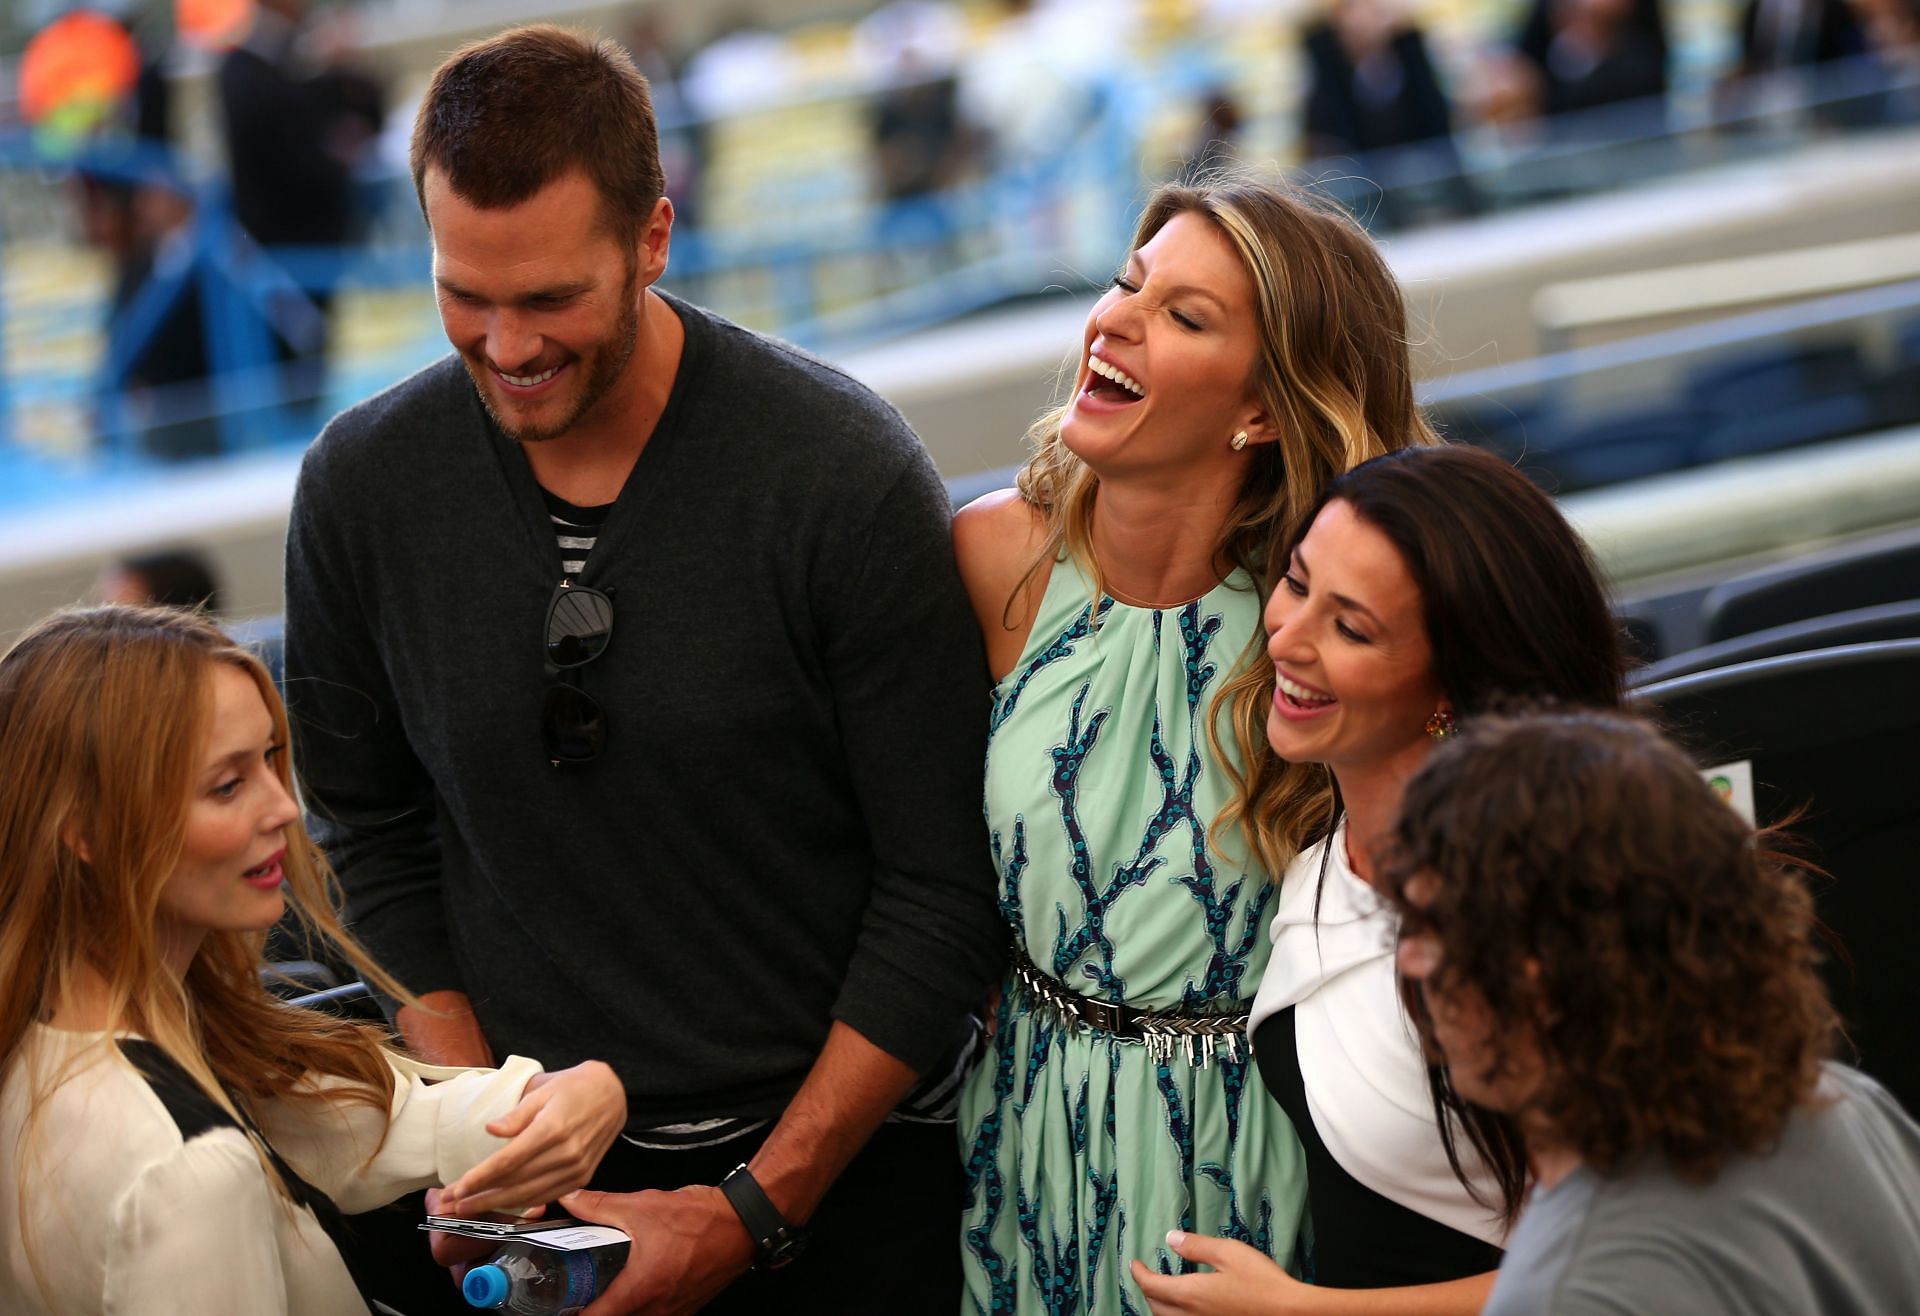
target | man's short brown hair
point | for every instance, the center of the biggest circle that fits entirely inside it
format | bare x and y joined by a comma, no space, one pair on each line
506,116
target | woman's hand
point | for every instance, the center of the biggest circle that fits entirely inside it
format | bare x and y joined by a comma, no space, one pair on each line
560,1130
457,1252
1244,1281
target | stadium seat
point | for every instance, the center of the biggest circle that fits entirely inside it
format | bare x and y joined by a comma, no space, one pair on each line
1808,420
1863,575
1889,621
1768,380
1835,732
1896,394
1623,446
1640,636
1909,342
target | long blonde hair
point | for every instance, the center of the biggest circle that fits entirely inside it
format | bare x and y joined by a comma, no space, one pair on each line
1334,375
102,716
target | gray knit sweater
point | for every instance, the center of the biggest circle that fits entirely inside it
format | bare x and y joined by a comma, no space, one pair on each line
784,828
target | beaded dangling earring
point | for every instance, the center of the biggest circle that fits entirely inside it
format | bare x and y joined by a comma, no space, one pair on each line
1238,441
1440,725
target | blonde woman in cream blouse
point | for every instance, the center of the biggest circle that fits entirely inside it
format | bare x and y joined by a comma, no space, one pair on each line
172,1138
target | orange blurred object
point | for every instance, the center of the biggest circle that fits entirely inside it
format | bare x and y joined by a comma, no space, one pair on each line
212,24
81,59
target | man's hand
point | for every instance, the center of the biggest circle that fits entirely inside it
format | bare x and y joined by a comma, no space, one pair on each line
688,1245
1244,1282
441,1030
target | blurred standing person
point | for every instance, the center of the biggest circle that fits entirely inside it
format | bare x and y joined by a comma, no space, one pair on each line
645,709
1783,44
166,374
1892,30
1216,145
1251,346
1777,35
1646,20
918,144
919,149
1607,954
1372,87
175,578
1372,83
291,186
683,135
1600,53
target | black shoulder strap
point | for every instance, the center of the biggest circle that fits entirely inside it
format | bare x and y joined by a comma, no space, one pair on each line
195,1113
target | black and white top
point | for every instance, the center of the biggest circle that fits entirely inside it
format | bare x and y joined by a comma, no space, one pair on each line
1336,1047
576,528
146,1197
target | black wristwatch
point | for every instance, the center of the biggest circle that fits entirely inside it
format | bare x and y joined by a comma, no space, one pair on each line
778,1241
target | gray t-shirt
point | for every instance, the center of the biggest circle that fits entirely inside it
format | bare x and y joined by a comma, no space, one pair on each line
1828,1223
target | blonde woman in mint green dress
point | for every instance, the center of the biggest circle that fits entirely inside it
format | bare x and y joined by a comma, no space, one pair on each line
1119,592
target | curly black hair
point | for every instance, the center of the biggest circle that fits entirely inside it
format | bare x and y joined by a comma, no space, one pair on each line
1578,873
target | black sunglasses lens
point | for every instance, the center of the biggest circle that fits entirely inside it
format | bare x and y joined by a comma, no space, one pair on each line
579,625
574,727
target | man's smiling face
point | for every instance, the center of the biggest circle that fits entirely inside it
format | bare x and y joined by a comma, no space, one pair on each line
540,299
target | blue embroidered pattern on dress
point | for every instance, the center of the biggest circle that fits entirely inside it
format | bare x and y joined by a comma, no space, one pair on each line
1083,950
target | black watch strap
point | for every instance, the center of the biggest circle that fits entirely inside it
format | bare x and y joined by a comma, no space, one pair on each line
778,1241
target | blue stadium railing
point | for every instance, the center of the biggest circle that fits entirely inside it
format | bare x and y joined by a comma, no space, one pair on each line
977,239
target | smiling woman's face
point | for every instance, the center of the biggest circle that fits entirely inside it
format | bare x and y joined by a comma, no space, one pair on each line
1354,675
229,876
1167,364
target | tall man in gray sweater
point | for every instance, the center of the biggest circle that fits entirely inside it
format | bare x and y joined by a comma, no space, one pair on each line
643,713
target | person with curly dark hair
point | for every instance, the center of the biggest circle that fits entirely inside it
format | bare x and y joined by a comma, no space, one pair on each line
1430,585
1607,954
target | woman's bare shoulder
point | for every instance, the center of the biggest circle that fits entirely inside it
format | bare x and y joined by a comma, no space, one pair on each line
996,536
995,540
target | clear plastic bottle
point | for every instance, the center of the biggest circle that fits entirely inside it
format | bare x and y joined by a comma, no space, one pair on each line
536,1281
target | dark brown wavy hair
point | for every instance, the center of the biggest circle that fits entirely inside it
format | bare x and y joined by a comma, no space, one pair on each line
1511,599
1513,608
1585,880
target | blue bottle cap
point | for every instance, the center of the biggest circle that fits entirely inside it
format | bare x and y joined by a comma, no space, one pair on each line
486,1286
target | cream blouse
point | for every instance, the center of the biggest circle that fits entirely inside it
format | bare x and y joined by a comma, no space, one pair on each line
128,1216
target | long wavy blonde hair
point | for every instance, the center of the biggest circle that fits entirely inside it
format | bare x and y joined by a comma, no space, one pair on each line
1333,373
103,714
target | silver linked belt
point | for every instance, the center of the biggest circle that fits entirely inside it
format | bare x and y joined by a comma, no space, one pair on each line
1165,1033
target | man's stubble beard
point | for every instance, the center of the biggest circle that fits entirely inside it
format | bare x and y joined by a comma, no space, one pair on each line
606,368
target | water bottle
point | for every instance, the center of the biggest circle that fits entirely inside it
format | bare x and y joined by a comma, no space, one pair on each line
528,1280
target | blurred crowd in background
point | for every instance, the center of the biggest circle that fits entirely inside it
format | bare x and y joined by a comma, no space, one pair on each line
249,255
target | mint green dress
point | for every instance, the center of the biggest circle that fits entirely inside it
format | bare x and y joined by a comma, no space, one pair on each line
1082,1151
